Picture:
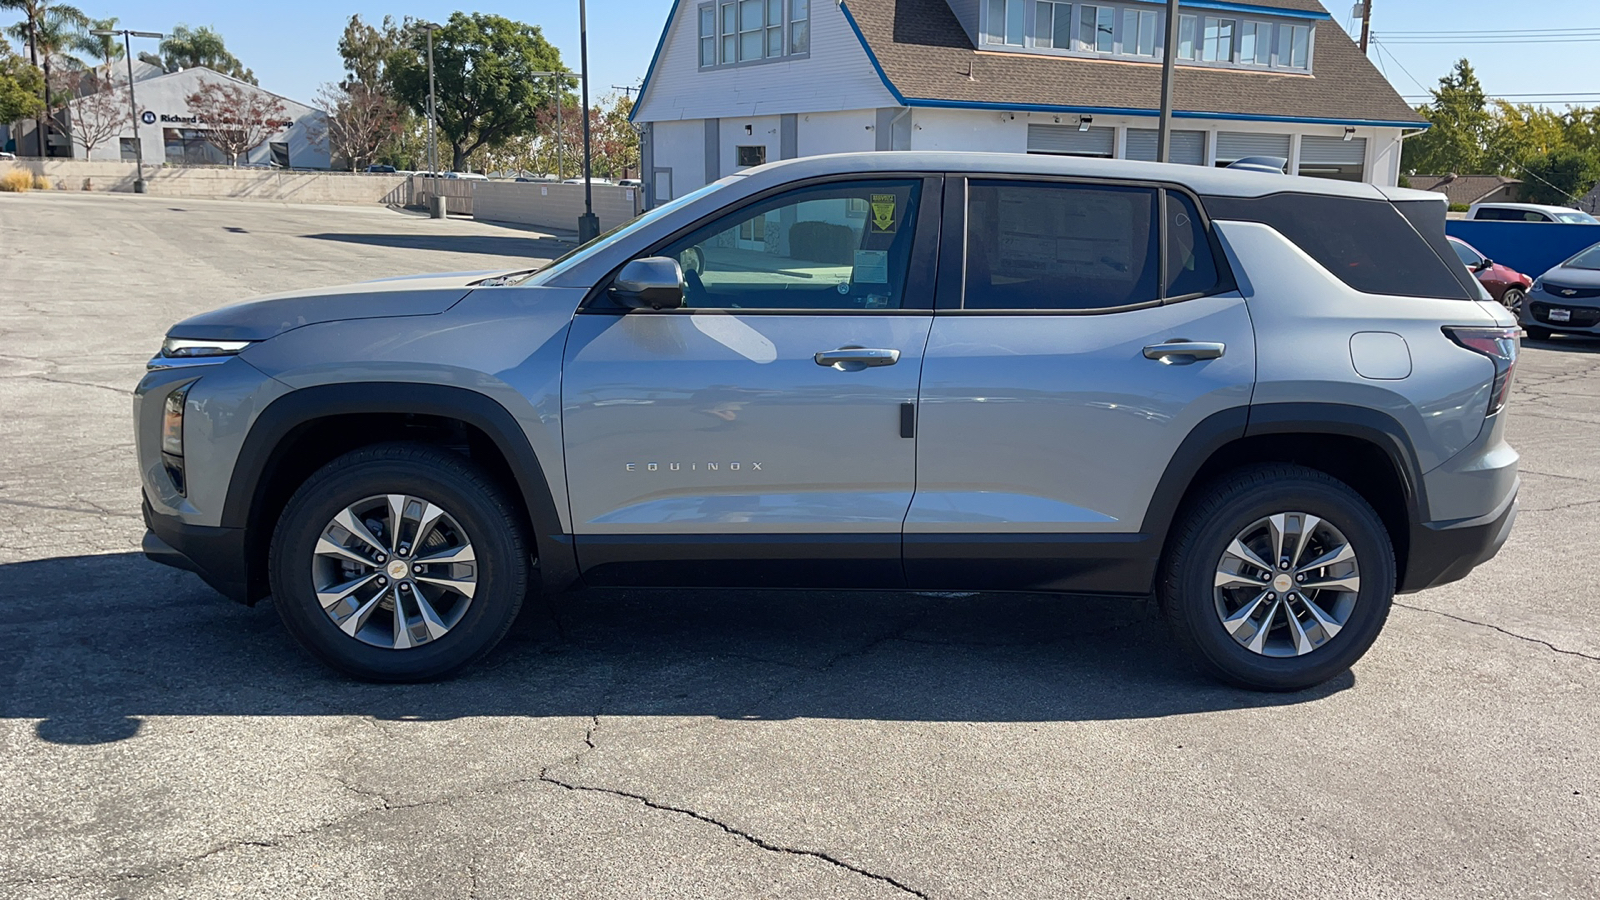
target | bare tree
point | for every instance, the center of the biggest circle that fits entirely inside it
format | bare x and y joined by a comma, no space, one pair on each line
98,116
360,121
237,118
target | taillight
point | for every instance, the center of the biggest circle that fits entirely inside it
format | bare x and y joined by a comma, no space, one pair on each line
1500,345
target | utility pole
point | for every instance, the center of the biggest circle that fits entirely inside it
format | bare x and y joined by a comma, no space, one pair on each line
588,224
133,108
433,147
561,133
1366,24
626,89
1169,68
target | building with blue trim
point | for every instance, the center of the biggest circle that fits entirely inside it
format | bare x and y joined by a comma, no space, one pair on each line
736,83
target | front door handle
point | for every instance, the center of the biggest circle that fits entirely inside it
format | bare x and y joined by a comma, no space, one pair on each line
854,359
1179,352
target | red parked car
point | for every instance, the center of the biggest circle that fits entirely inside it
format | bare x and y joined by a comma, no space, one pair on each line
1504,284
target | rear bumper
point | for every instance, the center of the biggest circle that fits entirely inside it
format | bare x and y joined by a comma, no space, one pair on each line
1442,552
217,555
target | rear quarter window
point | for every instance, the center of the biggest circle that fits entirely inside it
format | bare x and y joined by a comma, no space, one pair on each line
1367,244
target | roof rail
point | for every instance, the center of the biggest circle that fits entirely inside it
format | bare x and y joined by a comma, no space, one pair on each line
1275,164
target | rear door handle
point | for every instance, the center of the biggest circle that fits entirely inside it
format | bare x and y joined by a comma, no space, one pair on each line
854,359
1179,352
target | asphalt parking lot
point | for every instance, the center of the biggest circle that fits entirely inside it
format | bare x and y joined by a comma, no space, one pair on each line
161,741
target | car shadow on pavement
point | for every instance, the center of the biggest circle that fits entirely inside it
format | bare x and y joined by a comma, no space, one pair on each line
96,644
532,246
1571,343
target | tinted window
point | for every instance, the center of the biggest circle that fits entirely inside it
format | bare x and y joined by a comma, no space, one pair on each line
1060,246
1367,244
1464,253
833,246
1427,217
1191,268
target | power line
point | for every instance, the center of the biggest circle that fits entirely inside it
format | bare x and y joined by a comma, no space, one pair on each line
1509,31
1546,94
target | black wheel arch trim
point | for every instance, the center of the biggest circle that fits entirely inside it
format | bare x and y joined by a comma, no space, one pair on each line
558,566
1373,426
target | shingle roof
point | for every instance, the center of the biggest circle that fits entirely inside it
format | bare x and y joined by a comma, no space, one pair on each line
1467,189
926,55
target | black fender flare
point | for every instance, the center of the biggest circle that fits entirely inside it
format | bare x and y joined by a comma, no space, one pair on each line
1222,428
282,417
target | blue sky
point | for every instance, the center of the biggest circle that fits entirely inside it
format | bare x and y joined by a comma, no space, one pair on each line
291,43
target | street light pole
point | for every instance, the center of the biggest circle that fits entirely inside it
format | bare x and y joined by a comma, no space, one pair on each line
588,223
133,108
1169,68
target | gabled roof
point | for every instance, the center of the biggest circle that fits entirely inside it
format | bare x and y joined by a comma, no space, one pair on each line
1467,189
926,59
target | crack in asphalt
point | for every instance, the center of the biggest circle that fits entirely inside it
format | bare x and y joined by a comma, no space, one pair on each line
121,392
1521,637
94,508
752,839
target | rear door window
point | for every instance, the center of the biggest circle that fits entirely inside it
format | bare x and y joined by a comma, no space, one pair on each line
1045,246
1191,266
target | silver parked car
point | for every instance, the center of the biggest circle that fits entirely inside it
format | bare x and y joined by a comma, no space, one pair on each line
1566,298
1271,401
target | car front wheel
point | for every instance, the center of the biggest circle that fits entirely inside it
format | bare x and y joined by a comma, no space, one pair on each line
398,562
1512,300
1279,578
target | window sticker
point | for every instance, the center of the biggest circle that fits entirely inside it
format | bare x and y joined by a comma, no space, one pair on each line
883,214
872,267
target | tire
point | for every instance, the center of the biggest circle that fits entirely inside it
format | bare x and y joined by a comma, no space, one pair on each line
474,586
1536,333
1512,300
1288,659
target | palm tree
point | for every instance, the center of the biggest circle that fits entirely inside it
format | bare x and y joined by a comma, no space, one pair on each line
104,46
50,30
186,48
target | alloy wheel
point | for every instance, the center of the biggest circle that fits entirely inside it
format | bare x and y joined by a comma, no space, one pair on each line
394,571
1286,584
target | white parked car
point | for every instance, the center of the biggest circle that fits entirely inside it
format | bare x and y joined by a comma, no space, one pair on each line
464,176
1529,212
591,181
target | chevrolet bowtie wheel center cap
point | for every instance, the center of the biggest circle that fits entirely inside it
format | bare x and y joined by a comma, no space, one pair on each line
397,569
1281,584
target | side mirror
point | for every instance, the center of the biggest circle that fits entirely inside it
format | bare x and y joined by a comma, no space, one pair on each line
1485,263
654,282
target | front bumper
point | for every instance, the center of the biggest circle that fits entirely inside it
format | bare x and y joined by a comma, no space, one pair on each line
1442,552
216,554
1583,315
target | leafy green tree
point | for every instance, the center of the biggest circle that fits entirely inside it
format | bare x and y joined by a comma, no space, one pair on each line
1560,176
1519,133
1461,126
21,87
188,47
50,30
366,48
486,89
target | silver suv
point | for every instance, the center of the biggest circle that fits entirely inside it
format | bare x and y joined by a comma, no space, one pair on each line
1273,402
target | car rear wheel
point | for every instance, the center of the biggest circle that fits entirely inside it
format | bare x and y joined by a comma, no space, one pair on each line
1278,578
1512,300
398,562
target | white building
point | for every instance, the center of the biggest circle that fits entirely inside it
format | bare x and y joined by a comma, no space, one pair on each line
736,83
170,132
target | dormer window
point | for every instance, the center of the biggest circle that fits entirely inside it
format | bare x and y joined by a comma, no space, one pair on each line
734,32
1138,31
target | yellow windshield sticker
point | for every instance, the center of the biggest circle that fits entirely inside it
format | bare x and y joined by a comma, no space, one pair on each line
883,220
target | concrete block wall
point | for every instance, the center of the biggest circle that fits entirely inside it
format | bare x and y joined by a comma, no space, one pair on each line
555,206
274,185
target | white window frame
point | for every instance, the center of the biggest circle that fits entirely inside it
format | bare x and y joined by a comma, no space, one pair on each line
1128,20
727,43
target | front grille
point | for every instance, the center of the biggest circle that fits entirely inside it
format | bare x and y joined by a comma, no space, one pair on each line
1578,293
1581,317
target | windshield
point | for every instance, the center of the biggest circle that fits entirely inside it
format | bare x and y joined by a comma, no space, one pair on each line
1577,218
571,257
1586,259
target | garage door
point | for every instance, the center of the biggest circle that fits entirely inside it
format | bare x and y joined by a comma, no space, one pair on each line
1236,145
1067,139
1316,148
1188,147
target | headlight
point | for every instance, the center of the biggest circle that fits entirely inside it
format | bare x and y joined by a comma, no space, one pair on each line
172,437
182,348
1538,284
